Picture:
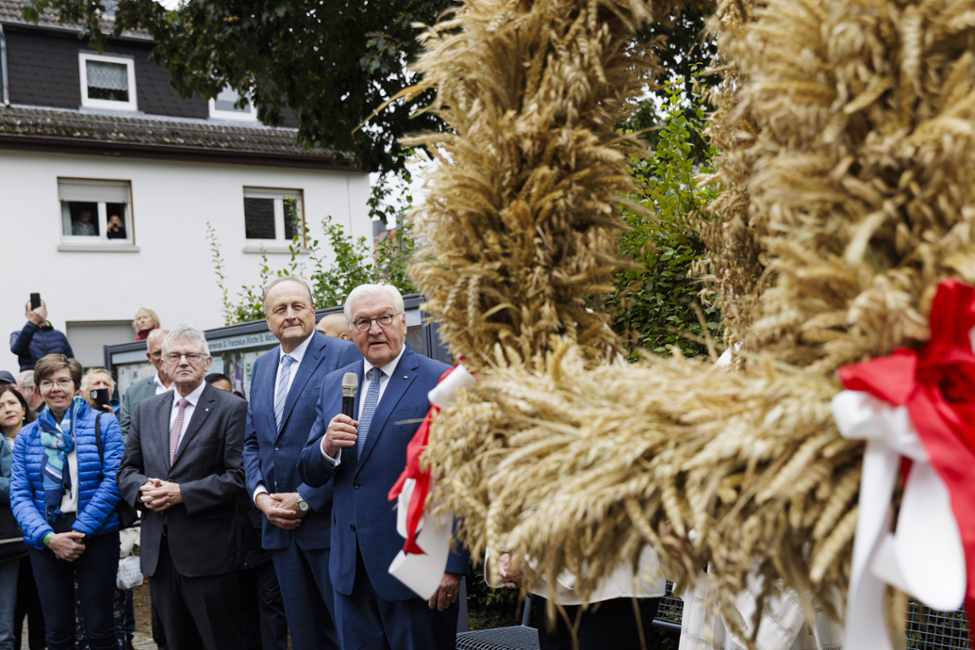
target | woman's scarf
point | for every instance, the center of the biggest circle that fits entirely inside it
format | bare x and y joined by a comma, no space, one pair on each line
57,439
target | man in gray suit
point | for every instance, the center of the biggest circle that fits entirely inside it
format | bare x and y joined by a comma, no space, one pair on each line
182,466
154,385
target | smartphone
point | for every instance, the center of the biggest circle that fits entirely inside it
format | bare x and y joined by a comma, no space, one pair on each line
35,301
100,396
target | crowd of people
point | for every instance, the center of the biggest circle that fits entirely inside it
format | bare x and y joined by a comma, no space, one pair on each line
240,538
260,517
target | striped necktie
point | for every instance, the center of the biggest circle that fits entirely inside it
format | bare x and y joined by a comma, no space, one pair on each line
281,396
177,427
368,408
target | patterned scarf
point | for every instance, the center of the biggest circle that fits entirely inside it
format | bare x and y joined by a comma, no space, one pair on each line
58,441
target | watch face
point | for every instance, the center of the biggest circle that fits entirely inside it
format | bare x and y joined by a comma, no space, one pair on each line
303,505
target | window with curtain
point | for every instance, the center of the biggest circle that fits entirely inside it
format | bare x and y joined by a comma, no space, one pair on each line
107,81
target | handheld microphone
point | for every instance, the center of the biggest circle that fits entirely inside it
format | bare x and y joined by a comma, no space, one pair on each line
350,384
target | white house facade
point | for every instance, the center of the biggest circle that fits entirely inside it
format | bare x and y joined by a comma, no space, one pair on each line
109,180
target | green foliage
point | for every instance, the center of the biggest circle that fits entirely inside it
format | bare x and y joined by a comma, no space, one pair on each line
226,307
652,305
330,282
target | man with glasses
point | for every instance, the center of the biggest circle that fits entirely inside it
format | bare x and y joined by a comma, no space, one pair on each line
362,458
182,466
149,386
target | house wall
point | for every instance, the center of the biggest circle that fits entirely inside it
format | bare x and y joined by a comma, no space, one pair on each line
172,271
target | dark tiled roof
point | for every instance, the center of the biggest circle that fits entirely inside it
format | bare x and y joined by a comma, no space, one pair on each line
10,13
34,127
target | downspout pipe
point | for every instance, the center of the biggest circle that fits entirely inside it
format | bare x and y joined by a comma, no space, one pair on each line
3,66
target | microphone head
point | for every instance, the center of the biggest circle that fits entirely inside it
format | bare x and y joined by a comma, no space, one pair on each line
350,384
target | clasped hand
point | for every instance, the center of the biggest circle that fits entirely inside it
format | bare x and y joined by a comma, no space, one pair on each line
159,495
67,546
281,509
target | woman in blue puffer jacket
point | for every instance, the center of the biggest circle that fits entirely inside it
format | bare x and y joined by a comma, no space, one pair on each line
63,494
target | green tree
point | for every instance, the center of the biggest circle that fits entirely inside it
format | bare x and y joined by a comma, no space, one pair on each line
653,305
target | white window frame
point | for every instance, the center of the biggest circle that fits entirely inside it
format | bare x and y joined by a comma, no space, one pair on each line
280,243
88,102
101,241
242,116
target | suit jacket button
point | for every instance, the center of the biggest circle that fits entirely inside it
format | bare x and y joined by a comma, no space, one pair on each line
352,526
356,485
277,448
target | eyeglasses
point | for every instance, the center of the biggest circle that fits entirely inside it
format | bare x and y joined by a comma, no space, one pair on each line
156,354
63,384
363,324
192,357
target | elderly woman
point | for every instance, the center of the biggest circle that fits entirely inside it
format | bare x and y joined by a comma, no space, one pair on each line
145,321
14,414
63,494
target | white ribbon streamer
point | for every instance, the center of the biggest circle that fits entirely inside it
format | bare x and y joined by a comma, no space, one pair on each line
924,557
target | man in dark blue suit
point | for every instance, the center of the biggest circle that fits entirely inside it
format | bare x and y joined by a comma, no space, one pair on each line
363,458
285,384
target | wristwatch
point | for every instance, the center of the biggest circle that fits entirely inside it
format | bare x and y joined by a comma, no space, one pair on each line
302,504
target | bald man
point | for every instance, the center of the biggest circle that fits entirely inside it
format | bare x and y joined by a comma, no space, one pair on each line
334,325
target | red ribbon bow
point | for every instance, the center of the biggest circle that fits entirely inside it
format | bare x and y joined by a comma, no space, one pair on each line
422,477
937,385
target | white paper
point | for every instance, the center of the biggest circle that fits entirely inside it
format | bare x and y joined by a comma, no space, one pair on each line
422,573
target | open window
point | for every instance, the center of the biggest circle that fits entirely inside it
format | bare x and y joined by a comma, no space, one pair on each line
95,213
107,81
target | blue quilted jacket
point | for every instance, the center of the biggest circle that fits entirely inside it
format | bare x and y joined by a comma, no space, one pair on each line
97,494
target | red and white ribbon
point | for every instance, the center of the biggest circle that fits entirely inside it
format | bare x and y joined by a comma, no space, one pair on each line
420,565
917,405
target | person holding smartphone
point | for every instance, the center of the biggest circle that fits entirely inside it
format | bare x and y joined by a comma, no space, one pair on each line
64,497
97,387
38,337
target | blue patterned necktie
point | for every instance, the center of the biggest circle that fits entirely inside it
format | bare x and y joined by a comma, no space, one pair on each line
368,408
281,396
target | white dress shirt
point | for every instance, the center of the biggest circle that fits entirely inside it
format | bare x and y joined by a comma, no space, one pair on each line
364,390
193,398
160,387
297,354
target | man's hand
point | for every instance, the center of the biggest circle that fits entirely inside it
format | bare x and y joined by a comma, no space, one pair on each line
447,592
341,433
67,546
509,571
281,509
159,495
38,316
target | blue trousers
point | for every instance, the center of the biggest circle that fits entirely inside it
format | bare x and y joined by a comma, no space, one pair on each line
8,602
95,571
369,622
309,600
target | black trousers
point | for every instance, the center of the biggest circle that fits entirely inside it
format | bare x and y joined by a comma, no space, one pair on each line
607,624
196,613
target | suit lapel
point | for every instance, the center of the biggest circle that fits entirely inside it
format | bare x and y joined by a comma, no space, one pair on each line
398,384
164,409
268,377
202,411
314,355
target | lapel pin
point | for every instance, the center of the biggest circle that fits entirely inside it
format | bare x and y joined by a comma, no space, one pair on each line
405,377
